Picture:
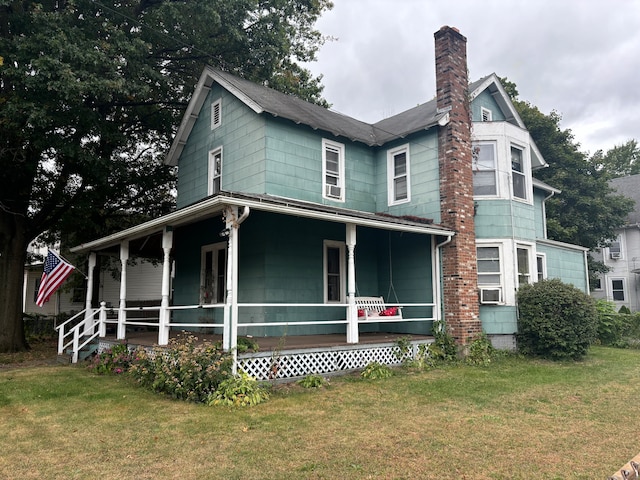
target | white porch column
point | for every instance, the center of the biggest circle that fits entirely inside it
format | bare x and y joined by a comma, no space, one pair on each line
229,333
352,312
122,314
88,314
165,313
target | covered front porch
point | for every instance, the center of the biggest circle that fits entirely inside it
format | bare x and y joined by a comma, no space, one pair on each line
244,265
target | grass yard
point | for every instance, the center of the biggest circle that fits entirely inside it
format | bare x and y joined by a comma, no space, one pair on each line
516,419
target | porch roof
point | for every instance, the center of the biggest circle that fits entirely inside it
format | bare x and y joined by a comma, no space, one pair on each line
212,206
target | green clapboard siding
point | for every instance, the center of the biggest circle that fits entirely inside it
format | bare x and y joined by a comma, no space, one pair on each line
242,137
294,166
499,319
486,100
505,219
565,264
424,177
286,266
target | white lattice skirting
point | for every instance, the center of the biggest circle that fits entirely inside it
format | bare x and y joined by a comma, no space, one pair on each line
291,364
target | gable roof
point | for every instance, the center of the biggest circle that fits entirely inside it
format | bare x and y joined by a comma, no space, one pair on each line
262,99
492,84
629,186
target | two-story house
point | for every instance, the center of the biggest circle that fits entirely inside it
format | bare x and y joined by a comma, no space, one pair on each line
291,219
621,283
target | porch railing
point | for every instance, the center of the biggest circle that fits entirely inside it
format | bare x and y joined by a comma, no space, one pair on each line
77,333
80,334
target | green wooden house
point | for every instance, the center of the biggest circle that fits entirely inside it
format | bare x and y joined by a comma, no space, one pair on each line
294,221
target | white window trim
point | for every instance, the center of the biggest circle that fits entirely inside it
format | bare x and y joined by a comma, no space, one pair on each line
214,248
391,194
486,113
543,256
216,105
490,286
339,147
531,259
526,172
602,282
624,289
610,254
211,169
343,270
496,167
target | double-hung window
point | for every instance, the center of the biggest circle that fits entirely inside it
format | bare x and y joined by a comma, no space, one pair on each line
489,274
518,176
484,169
334,272
398,166
541,264
618,290
333,170
524,265
213,273
215,171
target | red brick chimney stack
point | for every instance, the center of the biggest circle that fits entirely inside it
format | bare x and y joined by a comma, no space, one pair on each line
460,277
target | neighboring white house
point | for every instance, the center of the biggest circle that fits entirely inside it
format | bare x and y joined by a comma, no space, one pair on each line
144,285
621,284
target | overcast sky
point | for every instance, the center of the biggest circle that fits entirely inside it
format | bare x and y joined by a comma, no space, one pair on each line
578,57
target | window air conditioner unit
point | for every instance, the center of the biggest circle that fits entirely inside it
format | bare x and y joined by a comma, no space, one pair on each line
333,191
615,255
490,296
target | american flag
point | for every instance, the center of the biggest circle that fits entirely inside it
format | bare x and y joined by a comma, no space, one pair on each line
56,271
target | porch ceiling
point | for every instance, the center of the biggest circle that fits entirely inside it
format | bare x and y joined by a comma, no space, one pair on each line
212,206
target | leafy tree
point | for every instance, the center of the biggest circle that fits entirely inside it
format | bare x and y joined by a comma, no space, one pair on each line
91,93
620,161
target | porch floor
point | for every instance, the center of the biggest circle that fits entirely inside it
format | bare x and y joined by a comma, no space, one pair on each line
289,342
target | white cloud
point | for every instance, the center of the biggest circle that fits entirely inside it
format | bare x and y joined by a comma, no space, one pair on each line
578,57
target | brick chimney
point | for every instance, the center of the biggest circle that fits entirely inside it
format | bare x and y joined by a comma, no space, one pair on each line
460,277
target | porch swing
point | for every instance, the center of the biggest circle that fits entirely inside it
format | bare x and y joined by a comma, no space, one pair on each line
374,308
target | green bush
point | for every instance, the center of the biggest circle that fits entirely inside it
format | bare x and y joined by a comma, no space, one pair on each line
312,381
375,370
186,369
481,351
556,320
444,348
241,390
617,329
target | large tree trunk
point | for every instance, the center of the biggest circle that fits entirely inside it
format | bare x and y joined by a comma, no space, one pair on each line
13,248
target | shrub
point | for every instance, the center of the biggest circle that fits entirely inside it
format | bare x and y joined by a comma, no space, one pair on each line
241,390
481,351
185,369
312,381
375,370
617,329
116,359
443,349
556,320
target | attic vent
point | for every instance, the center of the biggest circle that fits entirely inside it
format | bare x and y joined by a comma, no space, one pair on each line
216,114
486,114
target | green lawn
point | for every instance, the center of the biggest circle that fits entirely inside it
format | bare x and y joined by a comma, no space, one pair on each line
516,419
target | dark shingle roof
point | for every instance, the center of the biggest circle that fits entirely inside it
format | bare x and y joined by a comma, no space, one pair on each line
290,107
629,187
